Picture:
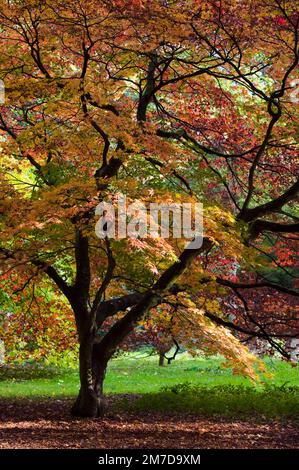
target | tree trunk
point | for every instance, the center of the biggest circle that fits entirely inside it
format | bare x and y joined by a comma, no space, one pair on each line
88,403
93,364
161,359
99,365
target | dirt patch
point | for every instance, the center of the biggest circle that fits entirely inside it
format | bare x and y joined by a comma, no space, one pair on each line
48,424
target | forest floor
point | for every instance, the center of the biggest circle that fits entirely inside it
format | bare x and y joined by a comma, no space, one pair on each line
31,424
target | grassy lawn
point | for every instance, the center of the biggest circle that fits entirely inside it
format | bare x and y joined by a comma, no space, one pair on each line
195,385
137,373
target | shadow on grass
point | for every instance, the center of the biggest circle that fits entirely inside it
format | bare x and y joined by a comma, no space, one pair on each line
270,401
34,371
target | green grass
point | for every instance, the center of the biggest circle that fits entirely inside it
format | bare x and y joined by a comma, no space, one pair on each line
224,400
135,373
197,385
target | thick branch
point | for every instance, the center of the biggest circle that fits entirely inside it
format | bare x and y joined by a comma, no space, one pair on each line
240,329
252,213
64,287
82,281
256,285
260,225
150,299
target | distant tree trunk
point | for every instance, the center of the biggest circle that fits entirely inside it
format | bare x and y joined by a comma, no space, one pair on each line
161,359
162,349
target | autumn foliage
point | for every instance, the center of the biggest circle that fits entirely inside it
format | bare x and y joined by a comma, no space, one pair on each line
164,101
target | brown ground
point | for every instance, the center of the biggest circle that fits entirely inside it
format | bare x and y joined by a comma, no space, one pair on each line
49,425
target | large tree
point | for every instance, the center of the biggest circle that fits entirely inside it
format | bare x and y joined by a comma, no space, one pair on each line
161,101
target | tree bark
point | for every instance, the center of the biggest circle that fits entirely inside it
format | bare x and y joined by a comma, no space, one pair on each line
99,366
93,363
88,402
161,359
